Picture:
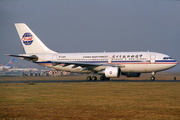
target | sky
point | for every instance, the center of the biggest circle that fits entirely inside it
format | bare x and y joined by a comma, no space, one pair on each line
92,26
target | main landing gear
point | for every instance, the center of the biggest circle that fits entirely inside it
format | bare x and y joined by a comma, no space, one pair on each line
152,77
102,78
91,78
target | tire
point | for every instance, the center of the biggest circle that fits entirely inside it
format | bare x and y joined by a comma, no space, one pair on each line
88,78
94,78
152,78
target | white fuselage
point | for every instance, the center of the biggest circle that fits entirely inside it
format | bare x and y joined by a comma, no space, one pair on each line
138,62
23,69
107,64
4,68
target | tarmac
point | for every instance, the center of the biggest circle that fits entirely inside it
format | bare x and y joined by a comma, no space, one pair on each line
81,81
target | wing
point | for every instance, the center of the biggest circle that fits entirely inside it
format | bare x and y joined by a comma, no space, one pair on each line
84,65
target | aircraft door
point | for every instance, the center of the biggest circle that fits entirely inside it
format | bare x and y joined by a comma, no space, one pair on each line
109,60
54,57
152,59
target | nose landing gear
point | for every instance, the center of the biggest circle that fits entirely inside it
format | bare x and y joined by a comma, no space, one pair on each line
152,77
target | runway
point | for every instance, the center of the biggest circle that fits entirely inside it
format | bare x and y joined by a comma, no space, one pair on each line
81,81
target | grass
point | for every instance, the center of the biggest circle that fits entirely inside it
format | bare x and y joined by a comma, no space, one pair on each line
90,100
144,76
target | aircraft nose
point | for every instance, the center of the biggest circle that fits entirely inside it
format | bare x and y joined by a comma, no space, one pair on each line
174,63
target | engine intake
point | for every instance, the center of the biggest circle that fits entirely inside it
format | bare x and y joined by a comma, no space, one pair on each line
111,72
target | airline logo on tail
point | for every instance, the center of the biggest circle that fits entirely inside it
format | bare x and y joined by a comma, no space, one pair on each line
27,38
10,63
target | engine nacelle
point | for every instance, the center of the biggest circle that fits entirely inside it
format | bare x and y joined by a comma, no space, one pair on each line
131,74
111,72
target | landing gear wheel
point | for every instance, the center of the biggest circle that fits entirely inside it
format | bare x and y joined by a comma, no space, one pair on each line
94,78
152,78
107,79
88,78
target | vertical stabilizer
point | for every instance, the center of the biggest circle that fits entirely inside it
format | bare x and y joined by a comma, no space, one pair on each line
31,43
10,63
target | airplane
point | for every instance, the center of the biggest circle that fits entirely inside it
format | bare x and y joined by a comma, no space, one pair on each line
23,69
26,71
107,64
7,66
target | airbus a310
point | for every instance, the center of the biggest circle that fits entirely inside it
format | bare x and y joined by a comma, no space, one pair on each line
106,64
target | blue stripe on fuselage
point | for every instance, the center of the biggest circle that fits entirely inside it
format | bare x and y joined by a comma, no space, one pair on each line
130,61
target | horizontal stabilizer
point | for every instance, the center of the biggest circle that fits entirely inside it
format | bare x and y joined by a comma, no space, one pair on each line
32,58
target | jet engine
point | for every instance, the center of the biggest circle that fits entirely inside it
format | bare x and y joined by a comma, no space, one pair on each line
111,72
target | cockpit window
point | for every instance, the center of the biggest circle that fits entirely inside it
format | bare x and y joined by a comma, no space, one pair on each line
166,58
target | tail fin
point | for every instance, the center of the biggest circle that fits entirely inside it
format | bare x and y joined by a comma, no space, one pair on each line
30,42
10,63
